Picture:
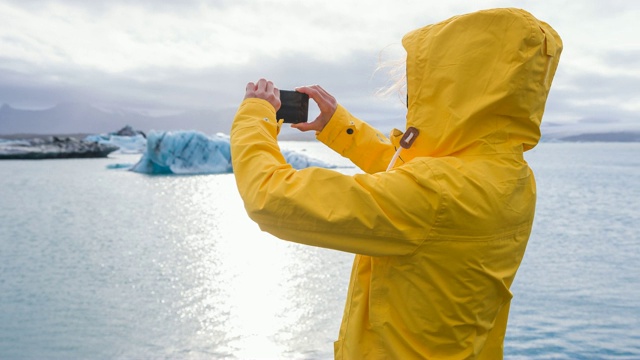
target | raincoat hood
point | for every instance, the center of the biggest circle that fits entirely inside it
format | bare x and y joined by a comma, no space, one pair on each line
478,83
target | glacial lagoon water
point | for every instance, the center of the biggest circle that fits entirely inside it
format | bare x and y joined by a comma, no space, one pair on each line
98,262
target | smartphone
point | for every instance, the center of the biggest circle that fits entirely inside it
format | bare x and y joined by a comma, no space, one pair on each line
294,108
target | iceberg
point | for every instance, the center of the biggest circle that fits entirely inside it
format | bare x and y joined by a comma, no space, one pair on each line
128,141
184,152
126,144
300,161
193,152
53,147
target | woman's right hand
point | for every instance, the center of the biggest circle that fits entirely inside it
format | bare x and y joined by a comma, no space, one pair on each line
326,103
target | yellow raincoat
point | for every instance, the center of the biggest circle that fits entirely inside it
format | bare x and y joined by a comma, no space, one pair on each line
440,236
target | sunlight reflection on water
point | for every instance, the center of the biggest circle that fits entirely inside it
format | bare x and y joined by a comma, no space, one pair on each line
250,293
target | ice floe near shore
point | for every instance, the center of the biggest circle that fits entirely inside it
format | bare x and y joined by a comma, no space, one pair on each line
53,148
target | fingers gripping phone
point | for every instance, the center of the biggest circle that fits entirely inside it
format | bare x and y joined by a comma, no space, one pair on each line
294,108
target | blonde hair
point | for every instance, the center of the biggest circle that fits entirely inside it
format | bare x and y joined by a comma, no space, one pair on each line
396,74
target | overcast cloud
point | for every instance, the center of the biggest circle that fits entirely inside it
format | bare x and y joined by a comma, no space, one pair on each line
166,57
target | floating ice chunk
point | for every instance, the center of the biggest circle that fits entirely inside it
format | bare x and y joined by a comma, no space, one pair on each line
192,152
135,144
128,140
184,152
301,161
120,166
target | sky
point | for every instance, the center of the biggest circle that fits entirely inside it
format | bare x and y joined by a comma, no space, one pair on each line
162,57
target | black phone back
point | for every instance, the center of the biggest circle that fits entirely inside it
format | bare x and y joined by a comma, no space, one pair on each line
294,108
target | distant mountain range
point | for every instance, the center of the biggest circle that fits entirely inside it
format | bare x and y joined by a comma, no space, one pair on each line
81,118
72,118
591,131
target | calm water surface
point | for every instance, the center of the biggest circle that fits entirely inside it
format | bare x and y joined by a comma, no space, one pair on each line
108,264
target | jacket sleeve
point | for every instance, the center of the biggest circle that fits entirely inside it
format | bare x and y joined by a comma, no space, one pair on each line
369,214
349,136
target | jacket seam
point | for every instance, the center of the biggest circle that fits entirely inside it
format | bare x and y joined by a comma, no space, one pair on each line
350,290
439,211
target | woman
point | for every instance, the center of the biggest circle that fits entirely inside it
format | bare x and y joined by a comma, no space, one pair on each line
439,236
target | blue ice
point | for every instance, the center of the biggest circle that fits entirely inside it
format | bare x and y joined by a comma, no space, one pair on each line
135,144
192,152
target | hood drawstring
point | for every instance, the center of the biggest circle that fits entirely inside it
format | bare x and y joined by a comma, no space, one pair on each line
407,140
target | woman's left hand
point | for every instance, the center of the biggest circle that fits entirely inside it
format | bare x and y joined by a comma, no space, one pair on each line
264,89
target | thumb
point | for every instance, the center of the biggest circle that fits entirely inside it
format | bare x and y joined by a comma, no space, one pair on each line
304,126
